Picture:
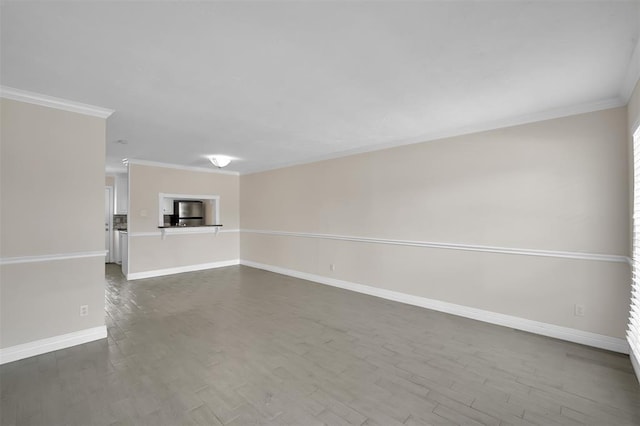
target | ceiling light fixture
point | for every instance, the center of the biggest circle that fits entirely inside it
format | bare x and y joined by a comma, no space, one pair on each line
220,161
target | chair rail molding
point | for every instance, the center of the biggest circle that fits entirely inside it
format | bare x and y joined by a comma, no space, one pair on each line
52,257
600,257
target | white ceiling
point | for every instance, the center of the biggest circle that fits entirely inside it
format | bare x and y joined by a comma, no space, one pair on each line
276,83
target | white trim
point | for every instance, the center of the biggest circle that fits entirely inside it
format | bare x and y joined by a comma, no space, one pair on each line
186,230
42,346
52,257
449,133
180,167
632,75
536,327
181,269
190,230
190,196
635,364
145,234
52,102
125,267
454,246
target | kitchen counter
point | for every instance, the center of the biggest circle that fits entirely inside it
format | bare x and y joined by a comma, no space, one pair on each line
202,229
184,227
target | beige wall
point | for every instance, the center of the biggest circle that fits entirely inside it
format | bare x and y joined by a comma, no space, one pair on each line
151,252
44,151
47,210
110,181
558,185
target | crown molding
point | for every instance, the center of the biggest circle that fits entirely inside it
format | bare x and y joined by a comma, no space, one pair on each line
51,102
464,130
179,167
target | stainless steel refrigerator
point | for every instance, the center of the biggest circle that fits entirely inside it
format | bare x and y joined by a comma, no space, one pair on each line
188,213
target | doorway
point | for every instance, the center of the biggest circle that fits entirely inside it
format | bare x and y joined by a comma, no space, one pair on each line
108,223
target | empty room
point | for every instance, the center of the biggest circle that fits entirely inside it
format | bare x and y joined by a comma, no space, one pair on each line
319,213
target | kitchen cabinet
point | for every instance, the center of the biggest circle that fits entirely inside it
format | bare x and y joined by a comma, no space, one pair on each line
122,194
167,206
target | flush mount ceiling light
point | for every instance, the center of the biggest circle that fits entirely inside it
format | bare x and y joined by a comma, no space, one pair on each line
220,161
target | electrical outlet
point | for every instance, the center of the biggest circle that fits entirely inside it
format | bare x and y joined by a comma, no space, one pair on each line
578,310
84,310
332,267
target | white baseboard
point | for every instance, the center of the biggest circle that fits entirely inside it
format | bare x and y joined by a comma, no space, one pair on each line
42,346
181,269
635,364
545,329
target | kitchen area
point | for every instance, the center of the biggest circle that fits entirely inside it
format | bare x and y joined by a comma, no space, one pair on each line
166,220
116,221
178,213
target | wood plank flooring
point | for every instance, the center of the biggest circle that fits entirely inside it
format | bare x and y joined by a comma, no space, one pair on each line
241,346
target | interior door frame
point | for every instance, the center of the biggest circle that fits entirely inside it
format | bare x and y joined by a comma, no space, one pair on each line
109,258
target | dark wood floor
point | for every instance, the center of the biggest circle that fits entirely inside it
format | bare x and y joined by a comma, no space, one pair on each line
240,346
